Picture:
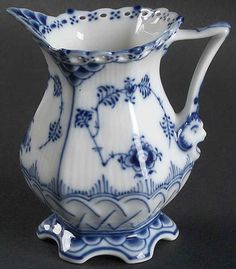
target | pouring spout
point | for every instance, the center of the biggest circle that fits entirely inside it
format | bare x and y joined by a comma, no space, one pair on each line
35,22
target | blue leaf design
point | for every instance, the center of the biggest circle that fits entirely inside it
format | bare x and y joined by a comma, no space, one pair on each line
54,131
108,95
145,87
57,90
168,127
83,117
55,128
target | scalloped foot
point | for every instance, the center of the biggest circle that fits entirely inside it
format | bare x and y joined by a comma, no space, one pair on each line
131,246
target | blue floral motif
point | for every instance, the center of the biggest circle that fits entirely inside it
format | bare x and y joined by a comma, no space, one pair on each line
130,88
93,16
126,245
168,127
55,129
46,29
109,95
56,194
140,156
73,20
189,132
82,118
145,87
166,124
58,24
115,15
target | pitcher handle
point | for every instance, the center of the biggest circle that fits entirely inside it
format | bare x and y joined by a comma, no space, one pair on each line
218,32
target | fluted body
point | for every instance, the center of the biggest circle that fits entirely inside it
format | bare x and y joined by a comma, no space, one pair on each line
105,149
114,129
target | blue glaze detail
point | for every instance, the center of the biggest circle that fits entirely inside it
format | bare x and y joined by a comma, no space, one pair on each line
37,23
93,16
146,187
129,89
76,75
102,188
26,143
115,15
145,87
67,134
124,209
70,11
141,156
193,121
134,246
166,124
109,95
168,127
55,129
73,20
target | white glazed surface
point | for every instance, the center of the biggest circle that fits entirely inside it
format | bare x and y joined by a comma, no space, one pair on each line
105,149
120,33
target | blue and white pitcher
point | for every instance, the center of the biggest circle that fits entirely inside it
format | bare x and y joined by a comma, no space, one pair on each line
105,150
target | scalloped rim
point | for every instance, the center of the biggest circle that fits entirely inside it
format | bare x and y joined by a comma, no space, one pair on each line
102,246
103,56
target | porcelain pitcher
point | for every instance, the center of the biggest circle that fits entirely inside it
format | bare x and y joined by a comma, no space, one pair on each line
105,149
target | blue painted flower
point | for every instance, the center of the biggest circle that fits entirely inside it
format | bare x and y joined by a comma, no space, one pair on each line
115,15
130,88
55,131
73,20
46,29
93,16
141,154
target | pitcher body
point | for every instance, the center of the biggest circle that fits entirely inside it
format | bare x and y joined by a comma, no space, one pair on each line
105,149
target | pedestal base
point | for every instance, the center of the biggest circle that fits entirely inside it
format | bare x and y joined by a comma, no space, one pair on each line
131,246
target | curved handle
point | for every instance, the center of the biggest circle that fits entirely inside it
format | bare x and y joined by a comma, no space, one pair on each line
218,33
